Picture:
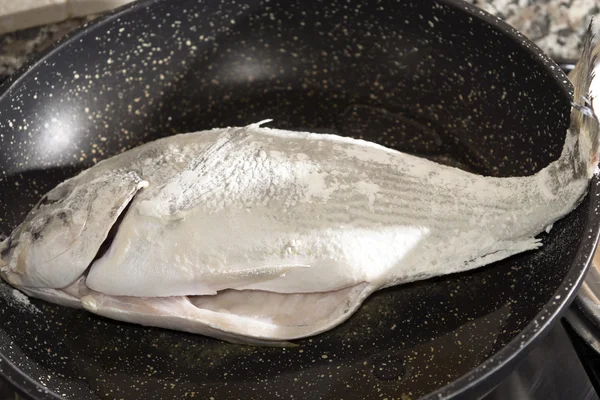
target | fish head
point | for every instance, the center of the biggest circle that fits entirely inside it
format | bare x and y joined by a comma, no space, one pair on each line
31,255
65,231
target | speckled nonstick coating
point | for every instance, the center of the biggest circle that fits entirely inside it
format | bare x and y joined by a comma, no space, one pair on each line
436,78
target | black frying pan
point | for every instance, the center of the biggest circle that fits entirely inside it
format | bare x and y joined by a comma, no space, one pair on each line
437,78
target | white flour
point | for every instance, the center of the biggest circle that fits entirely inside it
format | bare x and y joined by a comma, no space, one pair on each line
21,298
17,299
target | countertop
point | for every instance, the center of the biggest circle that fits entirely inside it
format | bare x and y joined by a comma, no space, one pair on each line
555,25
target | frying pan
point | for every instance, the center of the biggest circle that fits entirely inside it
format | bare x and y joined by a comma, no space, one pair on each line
440,79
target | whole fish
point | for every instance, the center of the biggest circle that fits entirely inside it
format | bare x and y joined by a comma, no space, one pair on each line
261,236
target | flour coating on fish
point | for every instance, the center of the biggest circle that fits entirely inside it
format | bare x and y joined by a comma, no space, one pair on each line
260,235
238,170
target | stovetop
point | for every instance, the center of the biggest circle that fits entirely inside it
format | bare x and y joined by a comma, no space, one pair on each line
556,369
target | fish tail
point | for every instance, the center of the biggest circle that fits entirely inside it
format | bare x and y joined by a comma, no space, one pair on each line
584,127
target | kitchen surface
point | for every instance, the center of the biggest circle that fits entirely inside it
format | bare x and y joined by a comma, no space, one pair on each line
563,365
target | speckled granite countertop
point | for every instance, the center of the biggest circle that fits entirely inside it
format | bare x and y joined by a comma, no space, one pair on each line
554,25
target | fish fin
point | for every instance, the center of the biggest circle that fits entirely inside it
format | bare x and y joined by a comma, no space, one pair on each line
176,313
238,279
299,278
56,296
499,251
204,175
226,142
261,123
245,316
584,119
503,250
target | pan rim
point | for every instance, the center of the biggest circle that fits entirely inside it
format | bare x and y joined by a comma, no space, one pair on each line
494,368
497,367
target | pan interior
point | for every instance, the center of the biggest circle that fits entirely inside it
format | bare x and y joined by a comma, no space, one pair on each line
427,78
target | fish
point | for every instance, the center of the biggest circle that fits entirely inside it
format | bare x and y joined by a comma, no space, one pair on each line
262,236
